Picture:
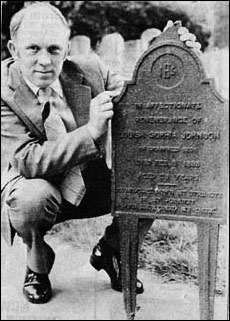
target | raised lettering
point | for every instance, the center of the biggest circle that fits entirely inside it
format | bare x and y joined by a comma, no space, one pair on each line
163,135
192,164
201,135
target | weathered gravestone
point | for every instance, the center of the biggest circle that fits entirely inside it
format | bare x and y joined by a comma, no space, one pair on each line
170,152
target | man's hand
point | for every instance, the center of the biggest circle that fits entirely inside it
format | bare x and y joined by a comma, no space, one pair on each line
101,110
188,38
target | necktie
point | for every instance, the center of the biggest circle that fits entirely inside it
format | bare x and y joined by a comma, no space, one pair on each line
72,185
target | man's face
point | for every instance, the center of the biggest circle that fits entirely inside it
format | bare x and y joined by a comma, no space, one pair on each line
41,48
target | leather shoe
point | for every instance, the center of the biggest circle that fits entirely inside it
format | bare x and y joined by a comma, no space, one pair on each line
37,287
104,257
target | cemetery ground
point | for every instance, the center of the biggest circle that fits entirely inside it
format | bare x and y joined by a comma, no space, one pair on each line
167,267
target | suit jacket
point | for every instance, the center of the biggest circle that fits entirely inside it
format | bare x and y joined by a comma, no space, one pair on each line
25,150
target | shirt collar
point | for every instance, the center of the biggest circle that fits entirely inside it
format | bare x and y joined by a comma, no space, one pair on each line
56,86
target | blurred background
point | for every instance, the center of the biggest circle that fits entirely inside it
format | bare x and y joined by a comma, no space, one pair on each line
119,32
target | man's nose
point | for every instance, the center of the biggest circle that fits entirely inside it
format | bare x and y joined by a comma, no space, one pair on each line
44,58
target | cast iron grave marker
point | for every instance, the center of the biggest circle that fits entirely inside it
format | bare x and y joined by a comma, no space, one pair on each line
170,152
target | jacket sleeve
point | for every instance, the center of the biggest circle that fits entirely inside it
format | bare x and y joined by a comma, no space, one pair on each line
113,81
22,151
93,67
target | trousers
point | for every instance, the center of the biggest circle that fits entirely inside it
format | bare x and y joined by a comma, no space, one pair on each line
36,205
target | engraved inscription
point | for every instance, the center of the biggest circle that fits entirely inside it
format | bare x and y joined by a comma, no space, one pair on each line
172,209
170,192
211,136
169,105
201,135
161,120
169,135
167,120
168,149
164,177
192,164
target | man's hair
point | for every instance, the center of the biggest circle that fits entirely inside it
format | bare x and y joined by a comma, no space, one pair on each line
19,16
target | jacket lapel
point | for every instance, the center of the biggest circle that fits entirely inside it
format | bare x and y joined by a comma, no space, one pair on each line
26,100
78,96
30,106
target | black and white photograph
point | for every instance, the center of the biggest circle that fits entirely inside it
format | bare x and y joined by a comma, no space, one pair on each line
115,160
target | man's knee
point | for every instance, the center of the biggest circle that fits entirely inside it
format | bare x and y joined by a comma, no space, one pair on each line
33,200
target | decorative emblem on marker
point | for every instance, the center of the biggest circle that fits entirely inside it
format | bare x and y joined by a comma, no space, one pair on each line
168,70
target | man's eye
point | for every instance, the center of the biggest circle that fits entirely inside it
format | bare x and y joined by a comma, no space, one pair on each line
33,49
54,50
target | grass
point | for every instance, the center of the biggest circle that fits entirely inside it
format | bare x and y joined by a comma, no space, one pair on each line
169,249
83,233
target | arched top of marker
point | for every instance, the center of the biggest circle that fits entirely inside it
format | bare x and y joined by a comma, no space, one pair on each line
168,65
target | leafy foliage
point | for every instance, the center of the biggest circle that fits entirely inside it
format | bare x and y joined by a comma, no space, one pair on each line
129,18
97,18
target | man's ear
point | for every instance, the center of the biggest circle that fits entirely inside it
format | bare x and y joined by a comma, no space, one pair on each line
68,50
12,49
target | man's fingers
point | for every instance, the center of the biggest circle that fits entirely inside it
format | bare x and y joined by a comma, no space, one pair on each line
193,45
108,114
184,37
113,93
188,36
106,106
189,44
104,97
182,30
197,46
192,37
168,25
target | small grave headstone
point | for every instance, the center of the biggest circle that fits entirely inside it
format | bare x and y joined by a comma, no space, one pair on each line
170,157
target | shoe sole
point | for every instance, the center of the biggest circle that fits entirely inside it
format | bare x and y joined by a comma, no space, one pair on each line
96,263
36,301
98,266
